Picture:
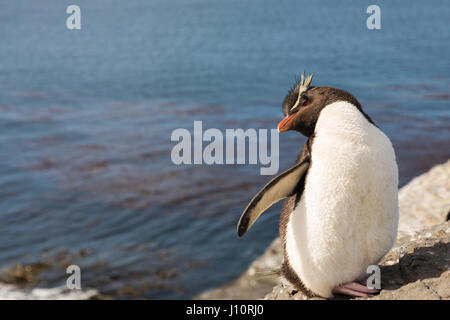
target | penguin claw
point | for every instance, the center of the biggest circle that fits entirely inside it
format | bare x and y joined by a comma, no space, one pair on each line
354,289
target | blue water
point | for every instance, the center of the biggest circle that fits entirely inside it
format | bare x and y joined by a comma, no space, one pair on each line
86,117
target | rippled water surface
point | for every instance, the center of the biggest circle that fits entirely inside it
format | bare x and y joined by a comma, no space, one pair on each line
86,118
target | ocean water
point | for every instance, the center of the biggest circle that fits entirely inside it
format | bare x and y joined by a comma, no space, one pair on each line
86,117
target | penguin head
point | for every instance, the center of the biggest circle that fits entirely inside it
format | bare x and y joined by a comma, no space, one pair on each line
303,104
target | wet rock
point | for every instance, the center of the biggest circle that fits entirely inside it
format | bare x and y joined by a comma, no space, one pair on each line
24,274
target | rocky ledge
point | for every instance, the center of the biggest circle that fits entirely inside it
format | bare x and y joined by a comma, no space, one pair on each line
417,267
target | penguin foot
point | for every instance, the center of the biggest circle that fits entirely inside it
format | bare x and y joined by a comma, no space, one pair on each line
354,289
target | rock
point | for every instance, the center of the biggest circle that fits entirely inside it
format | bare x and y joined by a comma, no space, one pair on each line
425,200
417,267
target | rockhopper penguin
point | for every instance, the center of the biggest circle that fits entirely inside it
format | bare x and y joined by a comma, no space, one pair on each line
341,209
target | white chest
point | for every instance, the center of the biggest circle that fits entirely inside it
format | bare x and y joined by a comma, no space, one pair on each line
347,217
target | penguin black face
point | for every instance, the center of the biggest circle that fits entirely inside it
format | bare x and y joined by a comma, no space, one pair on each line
303,104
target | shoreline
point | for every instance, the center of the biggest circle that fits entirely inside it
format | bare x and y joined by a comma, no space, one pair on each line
14,292
423,203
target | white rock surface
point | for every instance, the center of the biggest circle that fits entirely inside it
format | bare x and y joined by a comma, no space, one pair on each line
425,200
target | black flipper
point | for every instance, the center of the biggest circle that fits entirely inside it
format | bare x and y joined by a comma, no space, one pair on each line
282,186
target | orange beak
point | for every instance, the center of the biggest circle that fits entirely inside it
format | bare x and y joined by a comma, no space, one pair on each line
286,123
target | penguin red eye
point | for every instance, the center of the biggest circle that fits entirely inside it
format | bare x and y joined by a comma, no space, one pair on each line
304,101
